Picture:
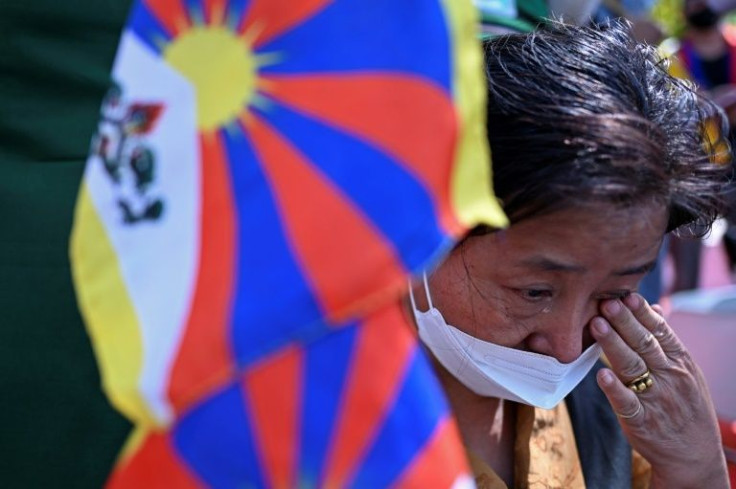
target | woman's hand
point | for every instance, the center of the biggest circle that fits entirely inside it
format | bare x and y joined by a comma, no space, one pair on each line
671,423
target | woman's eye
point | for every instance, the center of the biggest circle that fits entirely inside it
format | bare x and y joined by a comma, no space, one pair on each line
619,294
535,294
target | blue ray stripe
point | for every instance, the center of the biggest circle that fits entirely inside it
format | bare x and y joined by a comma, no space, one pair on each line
273,305
216,441
195,11
397,204
147,28
236,13
327,362
385,35
419,408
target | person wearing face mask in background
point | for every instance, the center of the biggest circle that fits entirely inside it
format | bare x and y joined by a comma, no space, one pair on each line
597,153
708,47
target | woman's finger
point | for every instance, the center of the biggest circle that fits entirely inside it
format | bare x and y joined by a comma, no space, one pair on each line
624,402
634,334
627,364
654,323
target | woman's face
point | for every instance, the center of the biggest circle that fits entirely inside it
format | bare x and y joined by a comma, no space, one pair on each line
537,285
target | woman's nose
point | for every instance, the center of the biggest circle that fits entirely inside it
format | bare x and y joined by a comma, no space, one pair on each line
563,336
565,348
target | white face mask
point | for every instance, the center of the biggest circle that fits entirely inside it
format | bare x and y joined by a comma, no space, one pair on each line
492,370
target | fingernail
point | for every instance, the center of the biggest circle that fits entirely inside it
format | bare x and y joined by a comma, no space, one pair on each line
612,307
607,378
632,301
600,325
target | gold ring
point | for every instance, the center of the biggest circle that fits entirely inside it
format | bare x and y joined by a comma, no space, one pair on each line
641,383
629,416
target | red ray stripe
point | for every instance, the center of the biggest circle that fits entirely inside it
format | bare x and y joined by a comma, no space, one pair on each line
155,465
205,360
171,13
376,374
269,18
440,463
273,390
214,11
344,257
406,117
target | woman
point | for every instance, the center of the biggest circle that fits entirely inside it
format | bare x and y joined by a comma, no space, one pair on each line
597,154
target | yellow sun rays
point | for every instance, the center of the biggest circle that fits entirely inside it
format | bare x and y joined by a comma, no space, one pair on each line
222,66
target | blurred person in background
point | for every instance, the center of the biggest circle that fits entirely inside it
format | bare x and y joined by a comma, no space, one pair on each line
707,56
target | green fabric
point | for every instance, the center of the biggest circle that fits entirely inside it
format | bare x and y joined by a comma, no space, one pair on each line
56,427
530,13
532,10
513,23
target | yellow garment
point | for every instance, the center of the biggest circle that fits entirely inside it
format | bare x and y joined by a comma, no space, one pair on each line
546,455
641,471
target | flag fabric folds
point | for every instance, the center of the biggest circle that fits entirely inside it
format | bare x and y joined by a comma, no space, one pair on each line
264,177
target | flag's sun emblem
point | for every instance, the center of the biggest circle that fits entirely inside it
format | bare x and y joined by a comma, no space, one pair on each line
222,68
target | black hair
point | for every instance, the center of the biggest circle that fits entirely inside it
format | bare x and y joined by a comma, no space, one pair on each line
583,115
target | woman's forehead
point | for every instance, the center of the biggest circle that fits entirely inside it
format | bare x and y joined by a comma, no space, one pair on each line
623,239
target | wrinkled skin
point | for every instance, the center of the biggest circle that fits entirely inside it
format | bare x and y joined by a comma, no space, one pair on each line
672,423
555,283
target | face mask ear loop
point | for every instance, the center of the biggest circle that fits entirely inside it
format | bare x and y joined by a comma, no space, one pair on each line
411,297
426,290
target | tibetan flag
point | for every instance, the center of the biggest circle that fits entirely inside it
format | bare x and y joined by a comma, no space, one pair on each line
265,176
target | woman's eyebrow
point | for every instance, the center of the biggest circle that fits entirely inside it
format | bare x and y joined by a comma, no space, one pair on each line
636,270
549,265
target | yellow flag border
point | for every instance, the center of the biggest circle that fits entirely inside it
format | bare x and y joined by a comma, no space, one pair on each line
471,188
113,325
